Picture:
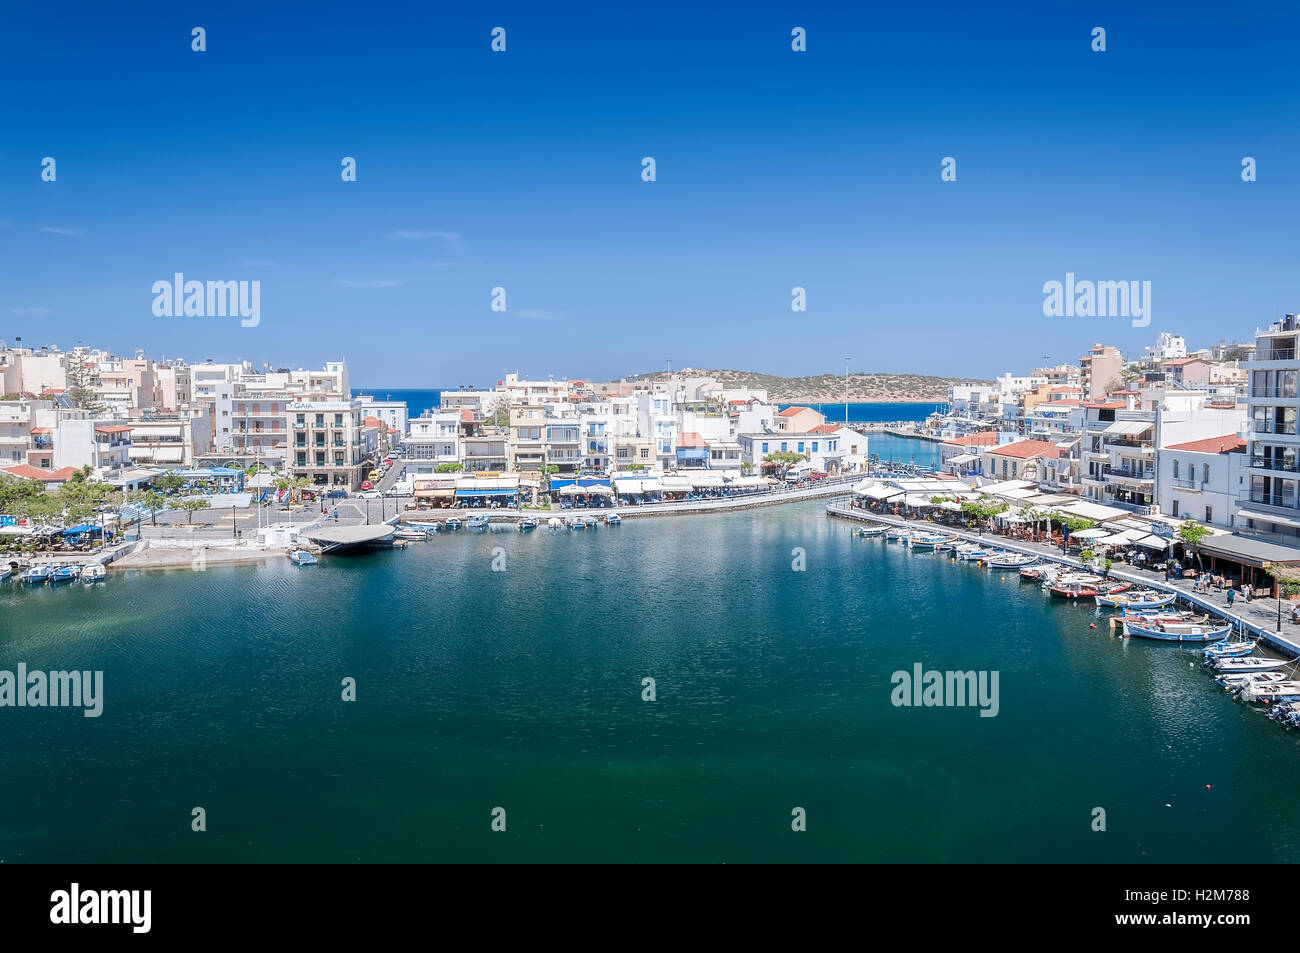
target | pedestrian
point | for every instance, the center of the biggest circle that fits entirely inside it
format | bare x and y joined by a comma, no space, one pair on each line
1245,592
1231,592
336,514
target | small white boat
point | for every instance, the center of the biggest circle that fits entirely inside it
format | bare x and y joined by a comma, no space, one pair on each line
452,523
37,575
1138,599
895,535
5,572
1270,692
1242,679
1011,561
555,523
870,532
412,533
1227,666
303,558
93,572
527,523
1228,649
927,543
477,522
1175,631
613,519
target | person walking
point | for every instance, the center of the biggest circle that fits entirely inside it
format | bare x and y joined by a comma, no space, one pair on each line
1245,591
336,514
1231,593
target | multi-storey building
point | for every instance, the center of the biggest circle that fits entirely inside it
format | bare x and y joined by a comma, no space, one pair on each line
326,443
259,427
1270,504
1098,370
433,440
173,440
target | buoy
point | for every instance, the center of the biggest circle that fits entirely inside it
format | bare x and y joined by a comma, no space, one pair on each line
1092,625
1207,787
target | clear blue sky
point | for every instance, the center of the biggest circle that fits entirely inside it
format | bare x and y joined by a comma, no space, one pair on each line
522,169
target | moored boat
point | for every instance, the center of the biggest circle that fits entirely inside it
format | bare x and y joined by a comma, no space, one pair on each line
613,519
1136,599
93,572
1228,649
928,542
478,521
5,572
412,532
65,573
870,532
1175,631
527,523
452,523
1266,692
37,575
1238,680
1011,561
1227,666
302,557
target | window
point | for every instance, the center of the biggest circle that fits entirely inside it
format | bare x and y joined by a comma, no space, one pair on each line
1175,469
765,448
1209,514
784,447
800,446
1205,473
814,449
645,453
1175,507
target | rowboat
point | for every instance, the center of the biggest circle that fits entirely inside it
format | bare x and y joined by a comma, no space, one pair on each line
477,522
411,532
897,536
974,555
1226,649
870,532
93,572
1035,573
1241,679
1011,561
527,523
302,557
1227,666
1137,599
5,573
452,523
1175,631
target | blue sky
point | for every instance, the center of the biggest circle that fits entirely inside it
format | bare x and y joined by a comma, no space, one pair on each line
522,170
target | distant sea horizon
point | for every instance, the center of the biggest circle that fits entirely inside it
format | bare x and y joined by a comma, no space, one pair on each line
418,400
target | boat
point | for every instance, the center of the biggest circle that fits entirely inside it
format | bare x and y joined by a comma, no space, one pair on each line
1011,561
973,555
590,522
1288,713
895,535
1072,588
555,523
65,574
302,557
613,519
1175,631
479,521
1227,666
1035,573
37,575
1226,649
452,523
93,572
870,532
527,523
411,532
574,522
927,543
1241,679
5,573
1136,599
1267,692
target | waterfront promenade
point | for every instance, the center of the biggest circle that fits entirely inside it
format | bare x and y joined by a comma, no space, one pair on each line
1259,616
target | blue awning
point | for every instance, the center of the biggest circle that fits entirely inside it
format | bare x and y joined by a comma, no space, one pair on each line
464,493
692,454
78,530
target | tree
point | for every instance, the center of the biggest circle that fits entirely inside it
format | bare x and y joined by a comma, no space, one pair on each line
192,505
546,470
169,482
1192,533
79,370
155,500
448,468
783,460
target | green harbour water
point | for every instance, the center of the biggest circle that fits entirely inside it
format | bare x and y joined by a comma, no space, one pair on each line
522,689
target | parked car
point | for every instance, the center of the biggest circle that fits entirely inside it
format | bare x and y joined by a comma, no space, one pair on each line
370,495
337,494
367,485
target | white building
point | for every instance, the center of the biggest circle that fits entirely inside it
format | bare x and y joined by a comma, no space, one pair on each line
1202,479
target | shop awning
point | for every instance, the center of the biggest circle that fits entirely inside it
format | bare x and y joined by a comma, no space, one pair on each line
916,500
1128,428
462,494
1152,542
676,484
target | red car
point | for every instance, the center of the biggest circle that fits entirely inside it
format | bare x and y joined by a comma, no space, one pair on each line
816,475
367,485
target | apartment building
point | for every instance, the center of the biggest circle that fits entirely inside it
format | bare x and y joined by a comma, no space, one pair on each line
173,440
259,427
326,445
1202,479
433,440
1098,369
1269,505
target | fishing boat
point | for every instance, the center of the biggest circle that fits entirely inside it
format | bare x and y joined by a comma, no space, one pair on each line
1175,631
1239,680
527,523
870,532
1035,573
478,521
93,572
452,523
974,554
1227,649
5,573
1230,666
555,523
1011,561
1267,692
37,575
590,522
411,532
1136,599
65,574
1287,712
895,535
927,543
302,557
613,519
574,522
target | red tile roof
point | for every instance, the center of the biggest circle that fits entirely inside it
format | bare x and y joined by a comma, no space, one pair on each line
986,439
690,439
1023,449
45,476
792,411
1225,444
372,422
466,414
1063,389
42,430
826,428
1111,405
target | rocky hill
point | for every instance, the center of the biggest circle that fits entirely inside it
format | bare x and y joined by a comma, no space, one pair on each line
829,388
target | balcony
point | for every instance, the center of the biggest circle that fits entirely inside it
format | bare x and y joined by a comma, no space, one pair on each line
1189,484
1131,476
1273,354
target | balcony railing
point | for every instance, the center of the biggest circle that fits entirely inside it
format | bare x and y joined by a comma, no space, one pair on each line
1284,391
1188,484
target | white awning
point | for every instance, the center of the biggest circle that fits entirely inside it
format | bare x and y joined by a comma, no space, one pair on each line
879,491
702,480
963,458
915,499
1130,428
1092,511
1089,534
1152,542
676,484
